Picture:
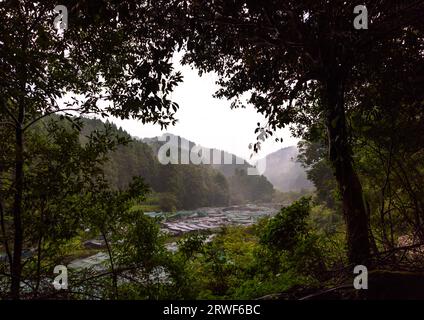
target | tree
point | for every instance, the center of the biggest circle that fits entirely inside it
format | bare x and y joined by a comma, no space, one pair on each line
299,60
111,217
168,202
61,175
246,187
312,155
386,121
108,62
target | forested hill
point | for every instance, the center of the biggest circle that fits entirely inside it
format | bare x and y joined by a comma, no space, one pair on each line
180,186
229,163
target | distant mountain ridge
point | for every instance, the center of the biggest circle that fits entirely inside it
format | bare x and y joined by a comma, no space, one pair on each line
176,185
140,158
282,168
284,172
228,163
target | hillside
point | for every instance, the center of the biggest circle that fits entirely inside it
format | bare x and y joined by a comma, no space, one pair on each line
178,186
284,172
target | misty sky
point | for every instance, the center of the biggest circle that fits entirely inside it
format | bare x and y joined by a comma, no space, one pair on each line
209,121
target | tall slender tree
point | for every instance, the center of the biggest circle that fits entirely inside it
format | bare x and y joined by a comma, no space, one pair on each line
113,59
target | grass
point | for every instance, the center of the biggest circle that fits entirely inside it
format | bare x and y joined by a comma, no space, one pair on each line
146,208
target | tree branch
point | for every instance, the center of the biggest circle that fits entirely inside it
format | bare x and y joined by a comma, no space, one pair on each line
49,114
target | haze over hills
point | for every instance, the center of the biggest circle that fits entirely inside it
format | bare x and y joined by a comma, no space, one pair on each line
176,185
219,180
284,172
223,161
282,168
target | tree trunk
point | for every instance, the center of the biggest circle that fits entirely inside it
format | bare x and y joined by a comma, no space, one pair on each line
16,269
3,228
38,272
348,182
112,266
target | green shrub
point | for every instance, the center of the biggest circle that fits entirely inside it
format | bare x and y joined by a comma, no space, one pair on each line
288,227
168,202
